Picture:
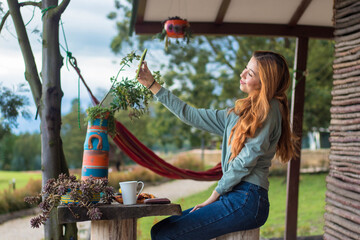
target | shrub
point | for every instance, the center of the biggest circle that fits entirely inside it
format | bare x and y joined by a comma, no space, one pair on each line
11,201
188,162
137,173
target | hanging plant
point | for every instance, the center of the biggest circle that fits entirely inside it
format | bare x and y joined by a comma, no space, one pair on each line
127,94
175,27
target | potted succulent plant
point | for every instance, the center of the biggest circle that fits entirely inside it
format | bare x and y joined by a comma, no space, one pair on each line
70,191
175,27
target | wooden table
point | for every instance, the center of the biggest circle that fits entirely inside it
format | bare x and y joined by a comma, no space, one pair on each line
118,221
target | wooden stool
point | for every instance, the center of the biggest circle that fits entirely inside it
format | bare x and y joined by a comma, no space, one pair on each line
252,234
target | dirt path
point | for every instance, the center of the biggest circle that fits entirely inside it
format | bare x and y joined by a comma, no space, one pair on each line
20,228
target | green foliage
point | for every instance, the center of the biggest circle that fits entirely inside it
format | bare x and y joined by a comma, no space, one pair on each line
73,136
127,94
21,152
27,152
12,105
7,151
166,129
141,128
102,113
318,85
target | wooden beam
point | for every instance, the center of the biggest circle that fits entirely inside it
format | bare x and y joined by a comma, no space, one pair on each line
222,11
299,12
297,112
253,29
141,11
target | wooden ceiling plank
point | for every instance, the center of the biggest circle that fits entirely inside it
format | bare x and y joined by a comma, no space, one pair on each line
222,11
299,12
141,11
252,29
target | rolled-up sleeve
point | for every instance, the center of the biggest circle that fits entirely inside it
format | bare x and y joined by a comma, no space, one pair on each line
205,119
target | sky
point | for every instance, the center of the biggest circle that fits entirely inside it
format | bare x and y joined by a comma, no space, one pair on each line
88,35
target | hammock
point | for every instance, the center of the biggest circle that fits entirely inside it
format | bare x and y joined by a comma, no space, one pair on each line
145,157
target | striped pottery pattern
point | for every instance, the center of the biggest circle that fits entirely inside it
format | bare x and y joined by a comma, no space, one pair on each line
65,199
96,150
342,210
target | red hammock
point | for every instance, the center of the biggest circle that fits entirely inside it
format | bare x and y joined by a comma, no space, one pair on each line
144,156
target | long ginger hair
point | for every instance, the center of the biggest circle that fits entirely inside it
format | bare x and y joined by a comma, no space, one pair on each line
253,110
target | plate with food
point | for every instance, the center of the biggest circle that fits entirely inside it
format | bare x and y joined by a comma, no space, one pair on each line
140,199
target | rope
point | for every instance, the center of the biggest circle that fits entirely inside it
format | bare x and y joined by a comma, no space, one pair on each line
33,13
44,11
73,63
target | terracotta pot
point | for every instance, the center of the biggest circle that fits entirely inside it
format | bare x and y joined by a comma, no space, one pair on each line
96,150
176,28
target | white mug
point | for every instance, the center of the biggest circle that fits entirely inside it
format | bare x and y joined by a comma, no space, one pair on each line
128,191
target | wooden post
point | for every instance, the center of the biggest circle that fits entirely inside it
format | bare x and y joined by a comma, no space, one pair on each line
297,110
117,229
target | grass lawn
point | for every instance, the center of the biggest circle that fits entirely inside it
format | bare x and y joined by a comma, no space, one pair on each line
310,216
21,178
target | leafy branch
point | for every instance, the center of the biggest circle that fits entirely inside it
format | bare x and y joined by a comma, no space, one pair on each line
126,94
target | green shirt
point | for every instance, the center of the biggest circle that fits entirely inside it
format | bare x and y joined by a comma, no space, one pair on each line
253,162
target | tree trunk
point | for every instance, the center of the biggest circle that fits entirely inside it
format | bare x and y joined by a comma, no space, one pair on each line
52,156
47,96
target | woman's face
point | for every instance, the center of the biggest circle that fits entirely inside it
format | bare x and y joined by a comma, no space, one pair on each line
249,78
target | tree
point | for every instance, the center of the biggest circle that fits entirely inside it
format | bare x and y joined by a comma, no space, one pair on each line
318,85
11,106
73,133
7,151
47,93
26,152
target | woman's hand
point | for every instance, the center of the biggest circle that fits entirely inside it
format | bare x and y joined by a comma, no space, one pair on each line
146,78
214,196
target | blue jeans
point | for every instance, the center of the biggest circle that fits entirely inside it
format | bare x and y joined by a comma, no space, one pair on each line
245,207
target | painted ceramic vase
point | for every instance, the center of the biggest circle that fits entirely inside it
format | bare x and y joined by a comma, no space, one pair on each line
96,150
65,199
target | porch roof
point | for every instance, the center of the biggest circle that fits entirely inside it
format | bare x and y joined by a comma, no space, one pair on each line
293,18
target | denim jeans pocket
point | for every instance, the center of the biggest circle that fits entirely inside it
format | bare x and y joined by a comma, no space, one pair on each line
262,211
241,196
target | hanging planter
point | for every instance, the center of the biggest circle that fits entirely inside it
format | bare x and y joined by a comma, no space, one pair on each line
96,147
175,27
127,94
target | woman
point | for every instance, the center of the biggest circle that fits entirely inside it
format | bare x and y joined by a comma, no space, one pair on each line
255,130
